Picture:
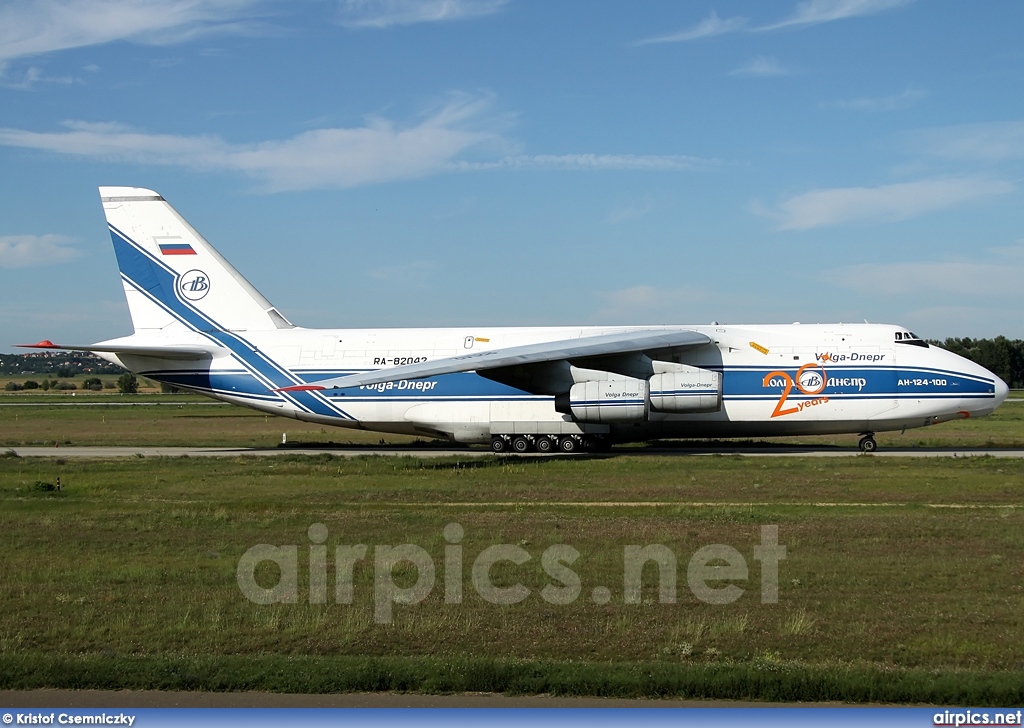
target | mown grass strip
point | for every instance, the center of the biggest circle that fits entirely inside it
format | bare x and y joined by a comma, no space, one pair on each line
668,504
764,679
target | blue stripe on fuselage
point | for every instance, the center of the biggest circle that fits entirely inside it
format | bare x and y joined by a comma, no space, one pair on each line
158,282
861,382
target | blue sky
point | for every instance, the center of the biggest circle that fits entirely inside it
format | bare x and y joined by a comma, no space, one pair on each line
514,162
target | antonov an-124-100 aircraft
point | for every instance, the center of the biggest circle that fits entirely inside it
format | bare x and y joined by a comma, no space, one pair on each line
199,325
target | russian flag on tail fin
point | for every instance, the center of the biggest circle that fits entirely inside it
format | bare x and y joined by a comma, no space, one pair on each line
176,249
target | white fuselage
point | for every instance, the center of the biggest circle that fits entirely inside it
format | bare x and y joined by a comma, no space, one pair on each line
777,380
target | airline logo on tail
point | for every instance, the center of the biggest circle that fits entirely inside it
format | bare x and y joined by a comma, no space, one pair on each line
194,285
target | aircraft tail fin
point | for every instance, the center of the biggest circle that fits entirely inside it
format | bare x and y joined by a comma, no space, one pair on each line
172,276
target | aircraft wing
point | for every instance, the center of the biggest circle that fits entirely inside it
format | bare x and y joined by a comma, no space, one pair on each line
155,351
573,350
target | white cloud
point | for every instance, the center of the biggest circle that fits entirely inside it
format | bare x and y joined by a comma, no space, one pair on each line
638,162
811,12
378,152
888,203
986,142
976,296
34,27
961,278
386,13
26,251
893,102
814,12
452,139
381,151
761,66
995,272
710,26
30,77
462,135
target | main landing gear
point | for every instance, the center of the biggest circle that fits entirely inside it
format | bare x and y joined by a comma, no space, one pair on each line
548,443
867,443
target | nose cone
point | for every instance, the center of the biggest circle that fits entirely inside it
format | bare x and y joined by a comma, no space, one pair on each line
981,390
987,405
1001,391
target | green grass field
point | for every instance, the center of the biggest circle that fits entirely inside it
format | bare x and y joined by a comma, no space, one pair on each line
903,581
197,421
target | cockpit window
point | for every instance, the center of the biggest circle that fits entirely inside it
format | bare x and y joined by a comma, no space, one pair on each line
909,337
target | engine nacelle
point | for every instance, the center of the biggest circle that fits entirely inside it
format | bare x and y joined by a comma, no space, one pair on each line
616,399
690,390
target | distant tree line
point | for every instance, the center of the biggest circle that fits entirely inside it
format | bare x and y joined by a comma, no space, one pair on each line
1001,356
64,364
92,384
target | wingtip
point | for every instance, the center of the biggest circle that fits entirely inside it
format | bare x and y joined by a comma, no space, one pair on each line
44,344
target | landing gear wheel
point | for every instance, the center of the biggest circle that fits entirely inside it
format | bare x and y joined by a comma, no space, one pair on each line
868,444
544,444
568,444
520,444
499,444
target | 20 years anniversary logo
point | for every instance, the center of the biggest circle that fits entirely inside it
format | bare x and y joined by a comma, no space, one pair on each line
810,380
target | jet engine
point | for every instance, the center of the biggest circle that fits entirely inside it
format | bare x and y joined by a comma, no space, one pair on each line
613,400
609,398
691,390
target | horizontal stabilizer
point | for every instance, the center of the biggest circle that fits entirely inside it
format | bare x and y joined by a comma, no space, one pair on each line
154,351
573,350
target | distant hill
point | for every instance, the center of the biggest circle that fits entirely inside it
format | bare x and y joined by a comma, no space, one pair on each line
63,364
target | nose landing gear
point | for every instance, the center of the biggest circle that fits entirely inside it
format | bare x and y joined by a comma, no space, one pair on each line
867,443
